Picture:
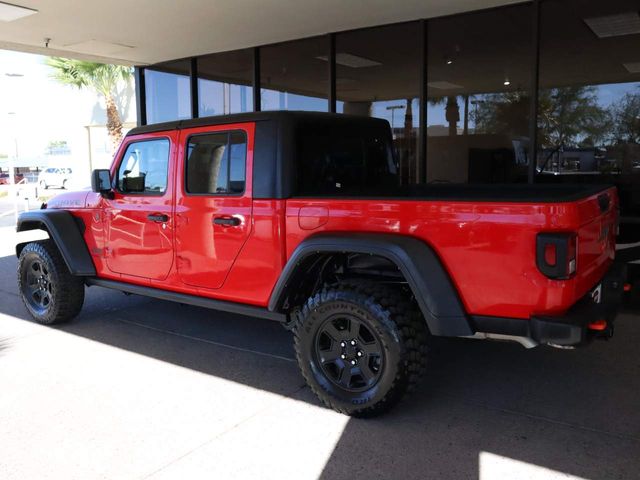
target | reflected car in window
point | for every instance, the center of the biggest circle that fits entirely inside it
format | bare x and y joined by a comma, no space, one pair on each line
54,177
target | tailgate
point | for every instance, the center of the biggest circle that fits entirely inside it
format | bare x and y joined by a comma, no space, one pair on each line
597,217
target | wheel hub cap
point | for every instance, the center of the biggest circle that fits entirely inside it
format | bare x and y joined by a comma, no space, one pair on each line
349,353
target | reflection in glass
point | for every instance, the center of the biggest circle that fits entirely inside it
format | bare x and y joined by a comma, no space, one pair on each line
225,83
293,75
478,90
589,98
168,91
378,75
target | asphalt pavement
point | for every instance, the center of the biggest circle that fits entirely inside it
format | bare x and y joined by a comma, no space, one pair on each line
137,388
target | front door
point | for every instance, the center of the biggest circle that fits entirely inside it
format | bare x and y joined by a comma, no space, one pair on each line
139,217
213,202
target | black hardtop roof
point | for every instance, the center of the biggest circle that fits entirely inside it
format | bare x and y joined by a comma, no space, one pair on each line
278,115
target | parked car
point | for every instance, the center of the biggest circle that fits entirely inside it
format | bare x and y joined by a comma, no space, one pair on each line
300,218
54,177
4,178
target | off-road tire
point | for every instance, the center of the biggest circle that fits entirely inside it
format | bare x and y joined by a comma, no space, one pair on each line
390,314
58,295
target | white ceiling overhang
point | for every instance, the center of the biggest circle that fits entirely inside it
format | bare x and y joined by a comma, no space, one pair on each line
143,32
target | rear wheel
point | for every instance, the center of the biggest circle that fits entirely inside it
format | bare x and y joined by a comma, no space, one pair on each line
360,347
48,290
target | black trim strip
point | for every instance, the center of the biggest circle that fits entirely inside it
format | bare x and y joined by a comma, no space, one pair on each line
421,167
257,99
193,80
196,301
141,95
533,105
332,72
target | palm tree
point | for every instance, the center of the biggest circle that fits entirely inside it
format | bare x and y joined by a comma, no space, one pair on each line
100,77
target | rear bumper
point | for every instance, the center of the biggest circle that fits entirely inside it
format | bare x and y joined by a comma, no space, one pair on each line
571,329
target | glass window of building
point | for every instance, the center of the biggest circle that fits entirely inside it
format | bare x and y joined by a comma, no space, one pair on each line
378,75
168,91
294,75
478,84
589,97
225,83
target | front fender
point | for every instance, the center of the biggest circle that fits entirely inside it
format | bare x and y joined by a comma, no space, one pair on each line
66,232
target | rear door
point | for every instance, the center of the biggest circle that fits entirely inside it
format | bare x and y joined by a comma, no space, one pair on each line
213,201
140,216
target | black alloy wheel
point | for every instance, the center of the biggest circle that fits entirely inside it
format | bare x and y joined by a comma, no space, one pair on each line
47,288
349,353
37,287
361,346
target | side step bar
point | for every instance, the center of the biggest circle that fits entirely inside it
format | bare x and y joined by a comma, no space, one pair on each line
204,302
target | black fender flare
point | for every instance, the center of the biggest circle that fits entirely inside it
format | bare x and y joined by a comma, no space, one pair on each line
429,281
66,231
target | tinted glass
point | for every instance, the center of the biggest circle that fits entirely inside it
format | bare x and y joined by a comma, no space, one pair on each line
344,161
225,83
589,98
216,163
478,84
144,167
378,75
237,162
293,75
168,91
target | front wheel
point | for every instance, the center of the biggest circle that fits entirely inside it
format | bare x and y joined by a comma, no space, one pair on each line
360,347
48,290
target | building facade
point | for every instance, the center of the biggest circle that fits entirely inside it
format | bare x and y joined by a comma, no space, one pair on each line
543,91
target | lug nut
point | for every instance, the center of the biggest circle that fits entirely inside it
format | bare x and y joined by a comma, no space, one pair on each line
359,353
353,362
342,344
353,342
343,356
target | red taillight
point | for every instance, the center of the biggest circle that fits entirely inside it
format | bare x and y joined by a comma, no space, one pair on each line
556,254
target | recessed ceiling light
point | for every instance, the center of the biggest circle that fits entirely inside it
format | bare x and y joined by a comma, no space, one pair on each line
444,85
353,61
632,67
9,12
615,25
507,82
448,61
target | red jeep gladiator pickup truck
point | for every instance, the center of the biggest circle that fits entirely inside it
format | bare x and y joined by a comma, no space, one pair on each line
301,218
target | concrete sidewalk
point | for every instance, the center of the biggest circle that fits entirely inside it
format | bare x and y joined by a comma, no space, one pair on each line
138,388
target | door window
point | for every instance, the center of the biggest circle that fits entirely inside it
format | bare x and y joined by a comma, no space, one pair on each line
216,163
144,167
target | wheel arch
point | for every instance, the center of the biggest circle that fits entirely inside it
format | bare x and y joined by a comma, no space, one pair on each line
66,231
420,266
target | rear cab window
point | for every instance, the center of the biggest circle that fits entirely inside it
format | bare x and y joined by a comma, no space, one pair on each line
346,160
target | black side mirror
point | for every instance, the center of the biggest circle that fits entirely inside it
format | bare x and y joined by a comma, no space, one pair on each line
101,182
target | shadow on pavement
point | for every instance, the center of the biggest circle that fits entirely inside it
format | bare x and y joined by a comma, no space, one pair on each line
574,412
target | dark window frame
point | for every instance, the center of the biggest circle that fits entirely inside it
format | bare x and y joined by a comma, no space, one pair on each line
228,133
116,183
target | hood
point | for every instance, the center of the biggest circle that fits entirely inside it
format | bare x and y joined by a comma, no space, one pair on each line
78,199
